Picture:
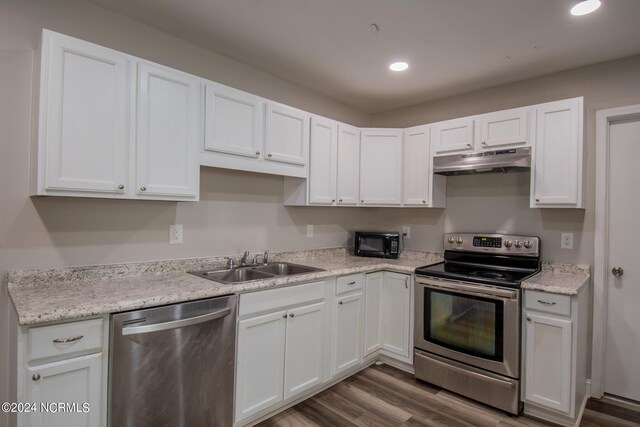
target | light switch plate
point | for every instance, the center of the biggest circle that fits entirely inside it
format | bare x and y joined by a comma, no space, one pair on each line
309,230
406,230
175,234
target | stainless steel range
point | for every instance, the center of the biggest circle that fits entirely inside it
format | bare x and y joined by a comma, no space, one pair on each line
467,324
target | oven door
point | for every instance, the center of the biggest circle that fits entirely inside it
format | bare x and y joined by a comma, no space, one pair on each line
474,324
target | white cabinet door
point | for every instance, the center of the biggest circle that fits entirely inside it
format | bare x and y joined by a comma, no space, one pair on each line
348,165
372,318
504,128
416,166
304,349
381,167
548,357
76,381
83,121
322,161
169,121
396,313
260,363
558,163
287,134
348,332
233,121
453,136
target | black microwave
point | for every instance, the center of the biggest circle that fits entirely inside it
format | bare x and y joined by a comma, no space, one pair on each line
377,244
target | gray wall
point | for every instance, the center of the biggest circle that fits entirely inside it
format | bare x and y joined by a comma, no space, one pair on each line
240,210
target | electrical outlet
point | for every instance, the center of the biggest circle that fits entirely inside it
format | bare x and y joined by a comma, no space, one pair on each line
175,234
309,230
566,240
406,230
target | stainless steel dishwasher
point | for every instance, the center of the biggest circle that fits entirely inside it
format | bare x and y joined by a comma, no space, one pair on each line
173,365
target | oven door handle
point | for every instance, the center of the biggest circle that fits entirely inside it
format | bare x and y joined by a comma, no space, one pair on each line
482,377
477,290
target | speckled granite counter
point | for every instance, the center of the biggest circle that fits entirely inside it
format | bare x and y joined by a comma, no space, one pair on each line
559,279
67,293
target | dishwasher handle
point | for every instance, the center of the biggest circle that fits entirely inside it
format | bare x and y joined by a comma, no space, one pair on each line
175,324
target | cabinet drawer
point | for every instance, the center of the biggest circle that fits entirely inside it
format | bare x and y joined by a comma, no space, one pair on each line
548,303
65,339
273,299
349,283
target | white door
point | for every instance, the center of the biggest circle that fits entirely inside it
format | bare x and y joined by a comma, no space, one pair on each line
304,349
504,128
348,165
83,117
348,334
453,136
557,168
168,132
287,134
322,161
416,166
381,167
622,372
260,363
372,318
548,361
396,313
233,121
76,381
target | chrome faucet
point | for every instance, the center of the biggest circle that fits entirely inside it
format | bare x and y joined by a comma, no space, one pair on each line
243,260
265,258
230,263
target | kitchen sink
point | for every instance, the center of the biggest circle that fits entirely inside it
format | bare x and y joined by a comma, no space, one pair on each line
259,272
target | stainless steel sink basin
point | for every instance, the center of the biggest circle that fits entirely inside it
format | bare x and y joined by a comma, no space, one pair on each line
259,272
285,269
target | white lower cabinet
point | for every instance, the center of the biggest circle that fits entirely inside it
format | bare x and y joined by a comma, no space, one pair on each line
63,363
388,315
554,366
348,331
281,346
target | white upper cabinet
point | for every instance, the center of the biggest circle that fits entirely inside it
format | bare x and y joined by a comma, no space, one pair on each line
169,132
381,167
348,165
557,169
233,121
453,136
505,128
416,166
323,149
287,134
83,119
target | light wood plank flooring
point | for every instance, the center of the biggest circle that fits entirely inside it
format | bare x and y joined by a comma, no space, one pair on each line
383,396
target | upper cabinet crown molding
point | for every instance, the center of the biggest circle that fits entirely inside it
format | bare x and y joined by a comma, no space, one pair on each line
102,131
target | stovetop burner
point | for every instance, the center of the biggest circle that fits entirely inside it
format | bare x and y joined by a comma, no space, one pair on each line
490,260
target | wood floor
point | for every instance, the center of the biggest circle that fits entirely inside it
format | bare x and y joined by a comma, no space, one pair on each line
382,396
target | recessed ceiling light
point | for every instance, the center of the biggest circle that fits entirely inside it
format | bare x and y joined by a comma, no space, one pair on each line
398,66
585,7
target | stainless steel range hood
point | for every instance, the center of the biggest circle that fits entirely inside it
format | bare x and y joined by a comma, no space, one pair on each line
511,160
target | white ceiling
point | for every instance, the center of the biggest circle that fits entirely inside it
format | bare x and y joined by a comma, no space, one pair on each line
452,46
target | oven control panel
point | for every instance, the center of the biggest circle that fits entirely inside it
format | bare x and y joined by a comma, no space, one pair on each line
511,244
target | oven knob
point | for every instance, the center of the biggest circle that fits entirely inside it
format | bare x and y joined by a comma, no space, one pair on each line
528,244
508,243
517,244
459,240
452,240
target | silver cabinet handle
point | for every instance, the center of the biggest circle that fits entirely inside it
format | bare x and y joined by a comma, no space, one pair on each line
468,145
291,315
257,153
547,302
121,187
175,324
340,200
617,271
537,199
424,201
528,319
361,201
333,201
284,316
405,283
65,340
143,188
484,142
340,302
269,155
35,377
351,283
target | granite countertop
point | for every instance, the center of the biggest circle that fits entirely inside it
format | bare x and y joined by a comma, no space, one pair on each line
67,293
562,279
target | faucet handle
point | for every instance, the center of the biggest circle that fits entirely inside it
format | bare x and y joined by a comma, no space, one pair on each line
265,258
230,262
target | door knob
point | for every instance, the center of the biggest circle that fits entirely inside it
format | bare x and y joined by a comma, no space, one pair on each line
617,271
